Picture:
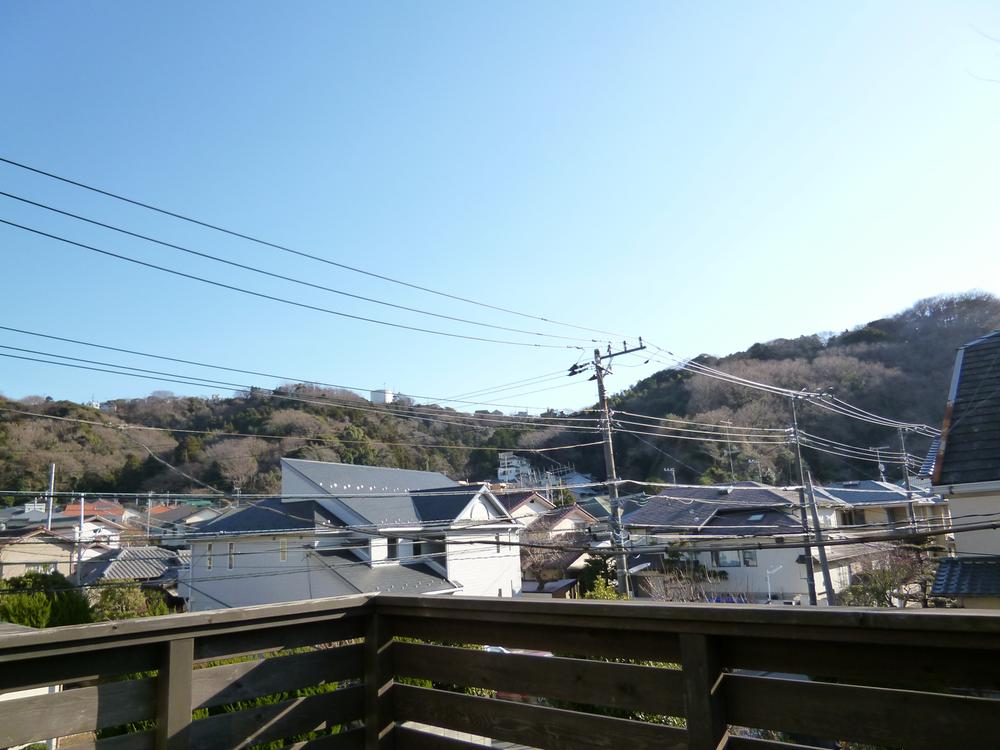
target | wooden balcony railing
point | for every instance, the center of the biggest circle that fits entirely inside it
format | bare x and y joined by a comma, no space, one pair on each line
411,672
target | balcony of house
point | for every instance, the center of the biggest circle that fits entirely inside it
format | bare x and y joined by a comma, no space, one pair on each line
451,673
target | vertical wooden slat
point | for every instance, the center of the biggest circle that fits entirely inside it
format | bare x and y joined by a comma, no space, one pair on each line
706,721
378,719
173,715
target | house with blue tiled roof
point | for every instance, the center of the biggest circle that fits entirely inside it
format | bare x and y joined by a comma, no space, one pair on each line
341,529
967,471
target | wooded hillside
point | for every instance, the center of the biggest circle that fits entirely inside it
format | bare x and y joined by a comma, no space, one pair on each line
897,366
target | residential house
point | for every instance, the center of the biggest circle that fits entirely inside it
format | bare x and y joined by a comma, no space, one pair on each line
34,550
525,506
149,566
344,529
701,525
883,506
173,527
967,473
562,536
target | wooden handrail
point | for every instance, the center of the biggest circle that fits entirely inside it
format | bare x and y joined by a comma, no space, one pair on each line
571,674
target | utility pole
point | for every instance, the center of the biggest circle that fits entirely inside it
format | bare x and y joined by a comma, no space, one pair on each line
906,465
831,596
79,545
617,534
810,571
52,493
729,449
910,513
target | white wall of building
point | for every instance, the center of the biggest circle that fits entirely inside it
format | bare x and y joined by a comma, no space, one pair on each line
482,566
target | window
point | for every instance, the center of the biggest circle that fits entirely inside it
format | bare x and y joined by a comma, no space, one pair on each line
418,548
756,517
750,558
726,559
283,550
498,543
392,543
40,568
208,556
232,555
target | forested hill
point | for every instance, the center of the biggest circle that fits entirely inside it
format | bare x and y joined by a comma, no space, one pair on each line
898,366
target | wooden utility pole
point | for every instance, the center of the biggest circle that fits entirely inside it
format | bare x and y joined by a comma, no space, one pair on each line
810,571
617,534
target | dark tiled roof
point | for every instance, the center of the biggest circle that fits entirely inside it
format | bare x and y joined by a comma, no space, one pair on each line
967,577
752,521
364,578
132,563
694,506
269,515
175,514
336,478
971,440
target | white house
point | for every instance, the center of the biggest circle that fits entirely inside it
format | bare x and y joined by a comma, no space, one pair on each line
525,506
708,525
344,529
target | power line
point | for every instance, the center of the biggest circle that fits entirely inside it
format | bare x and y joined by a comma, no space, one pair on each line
281,300
307,381
413,414
286,249
282,277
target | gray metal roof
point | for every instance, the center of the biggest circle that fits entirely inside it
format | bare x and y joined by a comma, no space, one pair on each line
363,578
419,507
133,563
269,515
351,478
967,577
971,437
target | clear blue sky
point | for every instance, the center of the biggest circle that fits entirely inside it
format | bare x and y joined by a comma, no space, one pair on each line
706,175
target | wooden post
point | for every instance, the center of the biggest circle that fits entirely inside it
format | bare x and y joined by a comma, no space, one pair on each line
378,720
173,699
706,722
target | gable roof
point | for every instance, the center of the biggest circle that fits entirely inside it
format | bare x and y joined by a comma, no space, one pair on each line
12,536
335,478
967,577
511,501
551,518
970,439
133,563
752,522
435,505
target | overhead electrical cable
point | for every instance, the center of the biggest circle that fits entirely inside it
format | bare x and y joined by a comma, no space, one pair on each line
291,279
283,248
304,381
282,300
